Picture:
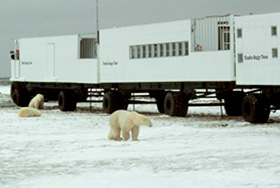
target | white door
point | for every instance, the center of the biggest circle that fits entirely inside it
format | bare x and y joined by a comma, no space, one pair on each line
51,61
224,40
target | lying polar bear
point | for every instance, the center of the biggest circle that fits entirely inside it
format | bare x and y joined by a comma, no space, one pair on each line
29,112
124,121
37,102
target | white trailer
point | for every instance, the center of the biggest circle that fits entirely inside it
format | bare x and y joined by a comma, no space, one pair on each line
257,48
166,52
257,57
56,59
170,61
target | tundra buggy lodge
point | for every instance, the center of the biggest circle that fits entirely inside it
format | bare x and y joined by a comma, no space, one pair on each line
236,58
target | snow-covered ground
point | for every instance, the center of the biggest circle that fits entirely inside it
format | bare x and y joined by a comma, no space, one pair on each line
4,89
70,149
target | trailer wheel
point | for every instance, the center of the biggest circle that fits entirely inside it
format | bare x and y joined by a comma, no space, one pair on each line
176,104
255,108
160,105
67,100
112,101
19,95
159,96
233,103
160,102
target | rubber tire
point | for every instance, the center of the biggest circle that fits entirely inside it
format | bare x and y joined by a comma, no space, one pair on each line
176,104
67,101
255,109
159,96
113,101
19,95
160,103
233,103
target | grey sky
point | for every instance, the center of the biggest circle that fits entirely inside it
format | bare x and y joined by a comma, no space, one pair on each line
33,18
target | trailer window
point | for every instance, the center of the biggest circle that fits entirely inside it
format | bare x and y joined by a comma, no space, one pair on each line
144,51
274,31
167,49
132,52
88,48
150,50
186,48
274,52
180,52
240,58
138,51
155,50
224,38
174,49
239,33
159,50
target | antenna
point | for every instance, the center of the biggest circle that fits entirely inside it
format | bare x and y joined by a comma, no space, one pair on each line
97,22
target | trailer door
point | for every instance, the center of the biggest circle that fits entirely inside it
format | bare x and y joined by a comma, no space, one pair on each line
224,38
51,60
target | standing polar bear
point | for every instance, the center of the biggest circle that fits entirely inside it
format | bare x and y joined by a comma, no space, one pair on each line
29,112
37,102
124,121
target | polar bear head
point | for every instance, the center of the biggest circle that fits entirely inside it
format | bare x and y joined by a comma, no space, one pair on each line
139,119
40,97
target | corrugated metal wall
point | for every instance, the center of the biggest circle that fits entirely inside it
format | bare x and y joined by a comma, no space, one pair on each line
212,33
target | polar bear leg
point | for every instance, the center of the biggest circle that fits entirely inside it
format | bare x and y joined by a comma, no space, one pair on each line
37,105
31,104
125,134
110,135
41,106
135,133
114,134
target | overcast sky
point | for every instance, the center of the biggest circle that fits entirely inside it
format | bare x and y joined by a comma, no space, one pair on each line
33,18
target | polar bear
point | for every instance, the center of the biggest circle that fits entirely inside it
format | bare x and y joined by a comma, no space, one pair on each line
29,112
124,121
37,102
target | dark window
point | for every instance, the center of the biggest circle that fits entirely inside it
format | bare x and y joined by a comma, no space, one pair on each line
274,31
144,51
150,50
132,52
155,50
180,49
274,53
88,48
239,33
161,50
186,48
240,58
138,51
173,49
167,49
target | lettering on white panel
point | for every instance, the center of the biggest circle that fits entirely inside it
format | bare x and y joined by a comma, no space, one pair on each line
114,63
255,57
26,63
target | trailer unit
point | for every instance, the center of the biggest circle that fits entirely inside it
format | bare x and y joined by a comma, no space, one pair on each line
257,48
170,61
56,59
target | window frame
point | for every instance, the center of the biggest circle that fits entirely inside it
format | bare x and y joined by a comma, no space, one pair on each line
239,32
159,50
273,31
88,48
274,53
240,58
